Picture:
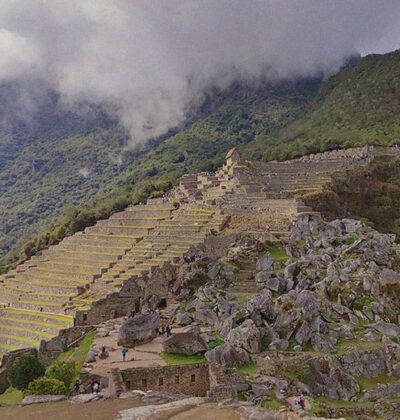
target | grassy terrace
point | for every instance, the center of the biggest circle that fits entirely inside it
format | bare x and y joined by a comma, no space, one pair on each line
61,318
181,359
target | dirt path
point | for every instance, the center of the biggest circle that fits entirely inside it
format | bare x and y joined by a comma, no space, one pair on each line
64,410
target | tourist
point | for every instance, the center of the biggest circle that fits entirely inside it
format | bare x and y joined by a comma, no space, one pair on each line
96,386
302,402
168,331
77,386
124,351
92,385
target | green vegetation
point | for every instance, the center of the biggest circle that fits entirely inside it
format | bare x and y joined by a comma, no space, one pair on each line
11,396
78,355
216,342
181,359
71,170
46,386
298,373
242,298
24,370
276,251
247,370
349,241
63,371
370,383
272,401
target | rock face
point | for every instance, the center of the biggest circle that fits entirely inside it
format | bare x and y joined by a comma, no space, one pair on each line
139,329
246,336
185,343
227,355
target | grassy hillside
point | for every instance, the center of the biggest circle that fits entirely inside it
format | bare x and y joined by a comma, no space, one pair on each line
360,105
60,158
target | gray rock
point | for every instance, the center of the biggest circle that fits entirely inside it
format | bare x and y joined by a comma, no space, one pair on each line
290,270
323,343
183,319
308,303
185,343
247,336
262,277
279,344
91,356
40,399
265,263
139,329
207,316
85,398
303,334
276,284
387,329
227,355
372,336
262,304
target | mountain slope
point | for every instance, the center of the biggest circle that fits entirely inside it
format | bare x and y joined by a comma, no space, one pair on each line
360,105
60,158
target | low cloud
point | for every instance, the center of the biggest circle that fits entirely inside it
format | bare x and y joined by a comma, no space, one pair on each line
154,58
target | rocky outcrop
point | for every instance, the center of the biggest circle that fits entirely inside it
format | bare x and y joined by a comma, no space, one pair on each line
139,329
228,355
246,336
185,343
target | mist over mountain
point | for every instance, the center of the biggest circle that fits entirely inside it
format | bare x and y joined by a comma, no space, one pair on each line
153,60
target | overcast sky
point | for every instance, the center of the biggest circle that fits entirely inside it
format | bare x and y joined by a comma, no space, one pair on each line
153,57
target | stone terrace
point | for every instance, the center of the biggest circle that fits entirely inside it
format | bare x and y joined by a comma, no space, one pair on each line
41,296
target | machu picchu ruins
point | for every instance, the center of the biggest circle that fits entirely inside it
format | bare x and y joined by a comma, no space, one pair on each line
269,299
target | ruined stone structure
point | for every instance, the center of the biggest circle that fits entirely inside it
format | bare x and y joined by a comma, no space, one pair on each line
191,379
121,263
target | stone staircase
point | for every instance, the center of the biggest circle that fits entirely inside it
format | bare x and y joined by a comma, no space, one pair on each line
41,296
167,242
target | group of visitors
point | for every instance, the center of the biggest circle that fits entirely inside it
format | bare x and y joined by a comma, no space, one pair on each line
191,258
161,330
300,402
80,389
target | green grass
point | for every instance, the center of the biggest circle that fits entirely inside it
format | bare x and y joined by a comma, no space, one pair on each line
79,354
297,373
247,370
242,298
272,401
370,383
216,342
277,252
11,396
344,346
172,359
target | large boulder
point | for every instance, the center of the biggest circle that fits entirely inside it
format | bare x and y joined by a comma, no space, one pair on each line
228,355
323,343
139,329
265,263
183,319
308,304
207,316
246,336
185,343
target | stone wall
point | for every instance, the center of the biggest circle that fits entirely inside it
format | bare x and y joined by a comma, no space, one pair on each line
6,363
50,350
112,306
191,379
368,363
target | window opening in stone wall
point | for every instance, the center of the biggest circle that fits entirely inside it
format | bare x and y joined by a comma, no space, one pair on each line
177,379
160,381
128,384
144,382
84,317
162,304
193,378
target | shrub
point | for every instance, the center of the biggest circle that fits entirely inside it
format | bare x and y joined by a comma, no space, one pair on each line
46,386
24,370
63,371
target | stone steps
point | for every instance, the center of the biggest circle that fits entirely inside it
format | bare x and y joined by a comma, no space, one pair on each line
40,277
18,341
135,231
50,328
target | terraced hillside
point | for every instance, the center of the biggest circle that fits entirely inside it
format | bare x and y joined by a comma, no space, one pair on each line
41,296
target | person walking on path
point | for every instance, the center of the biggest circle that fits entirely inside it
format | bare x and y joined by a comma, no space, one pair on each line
124,351
168,331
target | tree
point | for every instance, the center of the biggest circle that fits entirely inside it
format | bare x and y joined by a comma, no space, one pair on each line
24,370
63,371
46,386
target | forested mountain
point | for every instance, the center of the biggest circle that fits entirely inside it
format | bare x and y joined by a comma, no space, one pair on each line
71,163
